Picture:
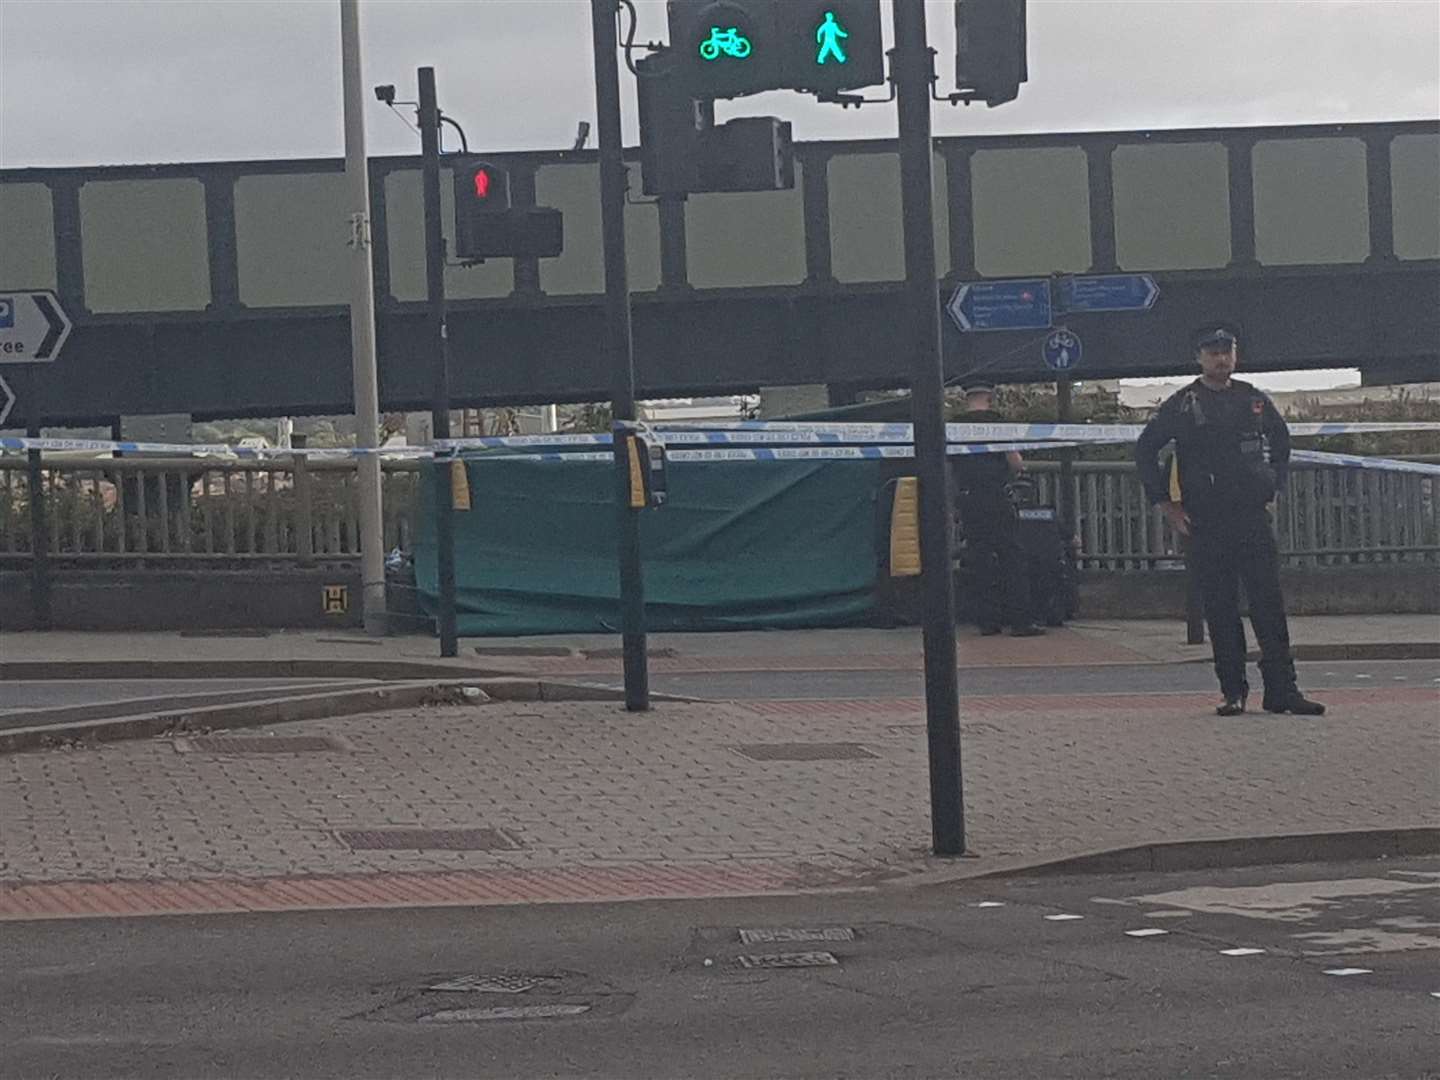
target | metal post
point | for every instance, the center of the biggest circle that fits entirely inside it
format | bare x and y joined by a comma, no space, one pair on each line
1194,605
912,67
622,353
1064,413
440,342
304,504
362,325
39,531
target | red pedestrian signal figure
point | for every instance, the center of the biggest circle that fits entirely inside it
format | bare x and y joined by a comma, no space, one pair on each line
482,184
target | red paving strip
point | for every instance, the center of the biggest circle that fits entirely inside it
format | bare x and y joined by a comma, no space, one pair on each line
576,884
1029,703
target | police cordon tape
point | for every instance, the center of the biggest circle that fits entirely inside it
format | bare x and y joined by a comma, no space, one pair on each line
726,441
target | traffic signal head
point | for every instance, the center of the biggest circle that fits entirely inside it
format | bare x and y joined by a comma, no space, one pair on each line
990,49
830,45
482,188
728,48
487,226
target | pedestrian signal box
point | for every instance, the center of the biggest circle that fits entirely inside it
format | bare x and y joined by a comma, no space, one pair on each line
488,226
728,48
990,59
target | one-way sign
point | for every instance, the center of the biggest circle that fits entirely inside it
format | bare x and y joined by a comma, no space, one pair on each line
1107,292
33,327
1018,304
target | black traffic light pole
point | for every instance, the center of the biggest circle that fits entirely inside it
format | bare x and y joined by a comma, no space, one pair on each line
912,68
440,343
622,352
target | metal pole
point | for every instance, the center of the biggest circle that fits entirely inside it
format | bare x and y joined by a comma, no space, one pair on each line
912,70
39,526
1064,412
440,342
362,325
622,352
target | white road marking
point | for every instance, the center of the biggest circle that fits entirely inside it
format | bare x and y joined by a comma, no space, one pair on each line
1063,918
1241,952
1148,931
989,903
1348,971
1364,676
1168,914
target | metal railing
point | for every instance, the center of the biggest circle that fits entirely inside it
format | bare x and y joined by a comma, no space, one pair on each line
1326,517
147,511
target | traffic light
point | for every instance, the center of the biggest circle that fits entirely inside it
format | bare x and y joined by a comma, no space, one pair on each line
830,45
682,150
728,48
990,49
487,226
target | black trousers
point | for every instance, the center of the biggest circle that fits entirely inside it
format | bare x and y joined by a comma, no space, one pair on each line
992,534
1228,549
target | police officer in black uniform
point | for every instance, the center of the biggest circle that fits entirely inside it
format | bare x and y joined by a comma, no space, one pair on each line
991,524
1220,427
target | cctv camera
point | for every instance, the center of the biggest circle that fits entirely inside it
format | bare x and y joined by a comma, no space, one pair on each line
385,95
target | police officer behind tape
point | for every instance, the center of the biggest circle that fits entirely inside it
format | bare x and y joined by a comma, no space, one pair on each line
991,526
1220,427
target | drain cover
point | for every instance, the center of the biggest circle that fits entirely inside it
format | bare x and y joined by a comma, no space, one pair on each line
426,840
838,751
790,960
490,984
504,1012
258,744
789,933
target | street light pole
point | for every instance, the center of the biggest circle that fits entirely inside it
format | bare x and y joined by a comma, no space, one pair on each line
362,325
440,343
622,349
912,68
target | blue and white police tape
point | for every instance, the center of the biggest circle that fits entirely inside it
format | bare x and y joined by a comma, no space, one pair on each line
106,446
1360,461
787,434
778,453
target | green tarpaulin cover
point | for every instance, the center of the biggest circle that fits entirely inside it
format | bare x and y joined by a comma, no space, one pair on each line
739,545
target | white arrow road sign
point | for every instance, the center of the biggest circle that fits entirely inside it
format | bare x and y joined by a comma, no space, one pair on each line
7,401
33,327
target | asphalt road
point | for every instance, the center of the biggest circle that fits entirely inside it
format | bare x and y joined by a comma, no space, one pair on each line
975,980
1101,679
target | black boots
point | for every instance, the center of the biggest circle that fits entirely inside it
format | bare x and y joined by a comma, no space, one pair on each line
1293,702
1234,703
1282,695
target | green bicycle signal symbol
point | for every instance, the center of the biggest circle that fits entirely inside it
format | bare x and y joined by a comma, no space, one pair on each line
725,43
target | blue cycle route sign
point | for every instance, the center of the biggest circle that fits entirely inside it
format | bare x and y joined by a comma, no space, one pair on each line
1018,304
1062,350
1107,292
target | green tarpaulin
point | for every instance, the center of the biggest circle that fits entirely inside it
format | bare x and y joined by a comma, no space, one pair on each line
739,545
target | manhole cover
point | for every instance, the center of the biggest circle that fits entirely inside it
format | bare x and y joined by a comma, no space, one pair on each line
838,751
504,1012
257,744
790,960
790,933
490,984
426,840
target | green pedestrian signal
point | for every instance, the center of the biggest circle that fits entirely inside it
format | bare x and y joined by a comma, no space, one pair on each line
829,36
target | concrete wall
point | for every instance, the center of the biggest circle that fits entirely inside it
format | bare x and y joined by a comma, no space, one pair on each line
1390,589
184,599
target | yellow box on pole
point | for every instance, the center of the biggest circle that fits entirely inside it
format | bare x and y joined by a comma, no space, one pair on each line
459,486
905,528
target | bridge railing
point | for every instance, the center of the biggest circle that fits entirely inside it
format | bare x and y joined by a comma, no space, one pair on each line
162,512
168,511
1327,517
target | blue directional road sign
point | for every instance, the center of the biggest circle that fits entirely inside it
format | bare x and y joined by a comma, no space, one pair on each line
1062,350
1107,292
1019,304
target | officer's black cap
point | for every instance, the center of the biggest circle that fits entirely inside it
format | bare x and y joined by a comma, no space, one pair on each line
977,385
1214,337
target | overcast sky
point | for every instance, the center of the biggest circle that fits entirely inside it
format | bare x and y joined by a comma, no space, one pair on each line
114,81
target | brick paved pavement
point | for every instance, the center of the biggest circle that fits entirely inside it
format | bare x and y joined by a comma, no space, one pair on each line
589,786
